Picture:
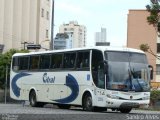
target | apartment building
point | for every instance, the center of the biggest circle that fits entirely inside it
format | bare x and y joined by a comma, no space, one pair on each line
140,32
24,21
76,32
101,38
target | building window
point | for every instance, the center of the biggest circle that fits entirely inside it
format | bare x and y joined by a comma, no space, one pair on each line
158,47
158,69
47,14
42,12
46,33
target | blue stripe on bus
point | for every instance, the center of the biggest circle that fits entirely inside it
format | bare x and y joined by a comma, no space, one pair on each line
73,85
15,88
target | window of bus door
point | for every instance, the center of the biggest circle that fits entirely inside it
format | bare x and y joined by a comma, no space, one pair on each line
98,69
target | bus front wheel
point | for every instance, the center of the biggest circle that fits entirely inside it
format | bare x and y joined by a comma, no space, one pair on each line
125,110
87,103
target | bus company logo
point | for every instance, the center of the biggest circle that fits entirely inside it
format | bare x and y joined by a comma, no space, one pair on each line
47,79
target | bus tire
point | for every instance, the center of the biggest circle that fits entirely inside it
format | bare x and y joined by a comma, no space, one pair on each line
87,103
33,99
125,110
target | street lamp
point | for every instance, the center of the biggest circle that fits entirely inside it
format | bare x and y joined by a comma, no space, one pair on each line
24,44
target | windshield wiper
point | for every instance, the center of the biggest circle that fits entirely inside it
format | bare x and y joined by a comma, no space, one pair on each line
130,80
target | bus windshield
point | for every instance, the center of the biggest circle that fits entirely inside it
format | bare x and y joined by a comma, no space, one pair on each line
127,71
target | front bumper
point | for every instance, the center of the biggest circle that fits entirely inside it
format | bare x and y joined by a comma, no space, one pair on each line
116,103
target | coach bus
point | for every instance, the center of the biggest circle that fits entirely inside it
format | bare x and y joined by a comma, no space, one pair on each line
96,79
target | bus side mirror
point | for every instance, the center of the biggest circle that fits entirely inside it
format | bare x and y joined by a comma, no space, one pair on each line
151,71
105,67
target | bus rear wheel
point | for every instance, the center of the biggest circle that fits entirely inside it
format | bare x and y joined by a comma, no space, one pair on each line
87,103
125,110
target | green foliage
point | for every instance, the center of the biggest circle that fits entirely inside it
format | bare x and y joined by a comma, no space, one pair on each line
144,47
5,60
155,95
154,16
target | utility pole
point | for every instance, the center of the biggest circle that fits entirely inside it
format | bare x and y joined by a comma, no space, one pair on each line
52,26
6,84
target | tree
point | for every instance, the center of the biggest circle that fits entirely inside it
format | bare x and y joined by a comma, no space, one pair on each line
154,17
146,48
5,60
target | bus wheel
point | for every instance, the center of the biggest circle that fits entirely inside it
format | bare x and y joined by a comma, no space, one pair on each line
62,106
33,99
125,110
87,103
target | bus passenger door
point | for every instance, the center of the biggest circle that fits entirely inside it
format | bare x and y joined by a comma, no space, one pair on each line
98,77
100,89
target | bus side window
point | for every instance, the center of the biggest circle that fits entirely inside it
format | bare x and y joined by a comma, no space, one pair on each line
15,65
79,60
83,59
44,61
72,60
56,61
34,62
69,60
23,63
86,60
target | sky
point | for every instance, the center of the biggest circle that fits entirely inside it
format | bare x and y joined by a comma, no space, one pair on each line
94,14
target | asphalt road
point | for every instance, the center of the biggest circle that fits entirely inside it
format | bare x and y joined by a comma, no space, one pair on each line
50,112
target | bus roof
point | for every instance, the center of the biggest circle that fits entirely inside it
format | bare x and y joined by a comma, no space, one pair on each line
102,48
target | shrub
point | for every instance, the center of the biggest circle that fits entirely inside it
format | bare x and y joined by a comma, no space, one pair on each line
155,96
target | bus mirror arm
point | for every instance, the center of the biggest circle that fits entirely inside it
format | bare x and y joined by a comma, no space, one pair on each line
151,72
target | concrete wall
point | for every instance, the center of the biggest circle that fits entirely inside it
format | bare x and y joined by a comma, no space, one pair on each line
21,21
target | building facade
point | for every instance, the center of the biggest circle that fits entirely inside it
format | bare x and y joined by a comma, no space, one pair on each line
101,38
76,32
140,32
63,41
24,21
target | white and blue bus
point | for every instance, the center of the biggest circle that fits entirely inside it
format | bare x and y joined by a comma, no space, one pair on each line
96,78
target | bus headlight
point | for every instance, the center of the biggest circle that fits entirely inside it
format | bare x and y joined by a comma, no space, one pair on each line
112,96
